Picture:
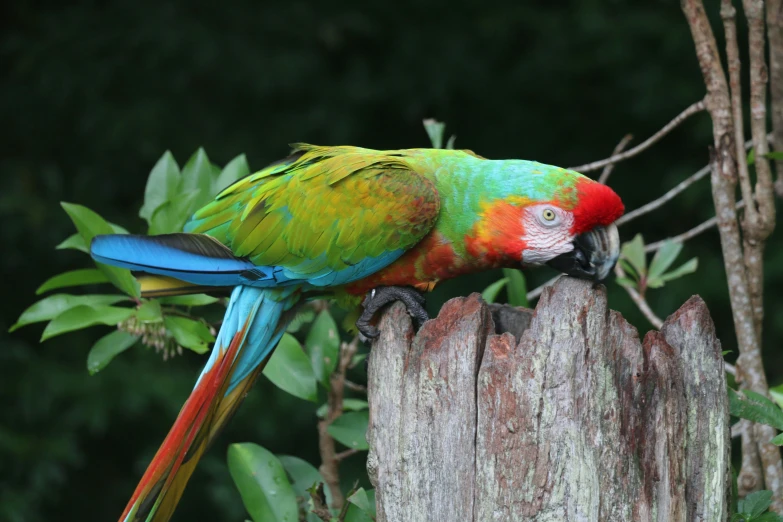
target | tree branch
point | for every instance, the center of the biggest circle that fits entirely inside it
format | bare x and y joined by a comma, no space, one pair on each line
775,41
695,231
639,300
690,111
617,150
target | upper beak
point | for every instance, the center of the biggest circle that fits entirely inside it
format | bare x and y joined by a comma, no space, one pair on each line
594,255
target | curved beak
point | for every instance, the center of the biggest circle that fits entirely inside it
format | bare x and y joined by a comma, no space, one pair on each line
594,255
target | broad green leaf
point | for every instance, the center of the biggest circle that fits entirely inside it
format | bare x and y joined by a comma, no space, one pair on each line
664,258
89,224
777,394
189,300
769,517
434,130
83,316
149,312
76,241
516,288
633,251
262,483
52,306
162,184
688,267
778,440
304,316
236,169
491,292
362,506
197,177
655,282
756,408
189,333
323,346
172,215
107,348
348,405
754,504
303,476
350,429
290,370
85,276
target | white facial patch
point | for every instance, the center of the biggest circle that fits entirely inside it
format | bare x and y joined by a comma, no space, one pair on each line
547,233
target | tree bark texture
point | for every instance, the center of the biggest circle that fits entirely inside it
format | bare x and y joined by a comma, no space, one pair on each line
563,415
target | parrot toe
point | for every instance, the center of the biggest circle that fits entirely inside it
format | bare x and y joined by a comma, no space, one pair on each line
384,295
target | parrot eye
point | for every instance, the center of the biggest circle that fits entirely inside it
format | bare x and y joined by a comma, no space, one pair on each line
548,214
548,217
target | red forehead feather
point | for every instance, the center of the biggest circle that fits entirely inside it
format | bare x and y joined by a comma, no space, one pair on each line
598,205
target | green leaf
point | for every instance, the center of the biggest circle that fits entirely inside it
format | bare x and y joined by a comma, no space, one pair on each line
162,184
262,483
624,281
777,394
89,224
629,269
84,316
756,408
348,405
775,155
76,241
303,476
434,130
755,503
664,258
323,346
350,429
362,506
236,169
633,251
197,177
356,359
52,306
769,517
189,300
778,440
107,348
290,370
450,143
517,287
171,216
491,292
688,267
751,159
189,333
304,316
85,276
149,312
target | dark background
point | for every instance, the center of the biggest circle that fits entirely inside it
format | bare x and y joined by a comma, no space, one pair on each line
92,93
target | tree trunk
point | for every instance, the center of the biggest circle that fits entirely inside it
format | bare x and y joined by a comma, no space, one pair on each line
565,416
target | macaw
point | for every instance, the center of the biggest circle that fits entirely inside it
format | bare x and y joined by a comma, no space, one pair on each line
347,222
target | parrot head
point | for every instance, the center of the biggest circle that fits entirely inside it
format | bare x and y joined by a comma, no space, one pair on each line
577,235
563,219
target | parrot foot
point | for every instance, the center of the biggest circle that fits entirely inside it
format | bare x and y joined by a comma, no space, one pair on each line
384,295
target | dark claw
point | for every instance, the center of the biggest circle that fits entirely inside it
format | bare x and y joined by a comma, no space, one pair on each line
384,295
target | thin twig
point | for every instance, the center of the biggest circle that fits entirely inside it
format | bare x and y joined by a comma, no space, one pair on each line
347,453
617,150
690,111
319,503
639,300
330,461
730,368
355,387
695,231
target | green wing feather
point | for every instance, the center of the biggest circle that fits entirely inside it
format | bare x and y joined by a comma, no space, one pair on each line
324,210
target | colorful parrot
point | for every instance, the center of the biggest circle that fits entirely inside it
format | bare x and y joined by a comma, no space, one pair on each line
348,222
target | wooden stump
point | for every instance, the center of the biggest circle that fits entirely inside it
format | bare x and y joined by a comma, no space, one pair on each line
563,415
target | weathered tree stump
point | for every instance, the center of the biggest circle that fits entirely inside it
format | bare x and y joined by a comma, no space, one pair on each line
567,418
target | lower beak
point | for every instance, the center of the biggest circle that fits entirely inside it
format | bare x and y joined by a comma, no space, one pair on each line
594,255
